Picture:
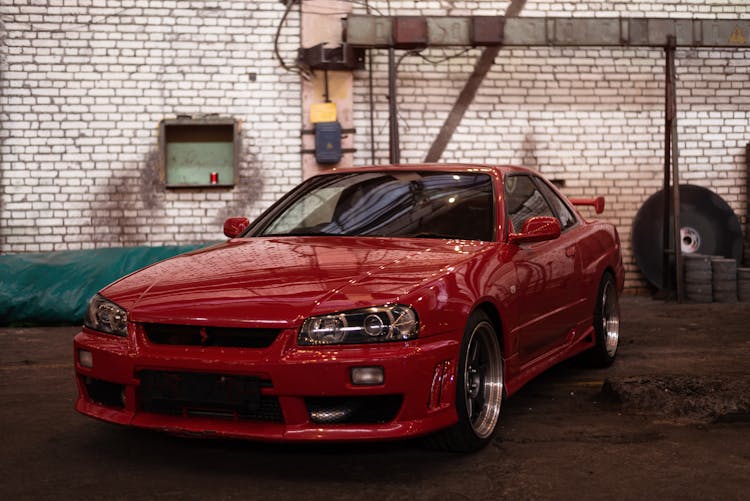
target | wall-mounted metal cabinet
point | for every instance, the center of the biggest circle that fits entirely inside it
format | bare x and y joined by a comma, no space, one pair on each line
199,152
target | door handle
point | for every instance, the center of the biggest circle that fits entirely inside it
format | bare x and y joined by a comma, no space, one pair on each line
570,251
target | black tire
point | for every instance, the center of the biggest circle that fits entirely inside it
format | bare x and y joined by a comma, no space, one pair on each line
725,297
699,290
698,276
730,278
697,262
478,403
606,324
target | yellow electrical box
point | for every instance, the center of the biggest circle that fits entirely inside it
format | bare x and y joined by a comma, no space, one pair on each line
322,112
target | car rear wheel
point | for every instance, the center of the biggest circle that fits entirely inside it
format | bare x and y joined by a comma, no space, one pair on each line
606,324
479,389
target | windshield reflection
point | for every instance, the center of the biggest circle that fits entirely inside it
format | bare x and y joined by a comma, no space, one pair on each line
390,204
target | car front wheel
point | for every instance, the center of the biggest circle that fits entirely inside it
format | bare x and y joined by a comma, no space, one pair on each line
479,389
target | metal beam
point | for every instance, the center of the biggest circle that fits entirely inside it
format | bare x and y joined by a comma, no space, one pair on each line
485,62
445,31
486,29
747,205
671,125
667,282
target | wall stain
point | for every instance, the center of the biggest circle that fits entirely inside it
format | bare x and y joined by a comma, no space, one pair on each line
125,199
151,186
249,187
528,148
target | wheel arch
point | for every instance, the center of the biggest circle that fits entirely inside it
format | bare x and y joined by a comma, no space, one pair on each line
597,282
492,312
608,269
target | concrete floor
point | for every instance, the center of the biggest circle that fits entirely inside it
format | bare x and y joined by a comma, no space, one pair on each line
560,437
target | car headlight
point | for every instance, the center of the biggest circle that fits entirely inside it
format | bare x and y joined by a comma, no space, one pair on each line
368,325
105,316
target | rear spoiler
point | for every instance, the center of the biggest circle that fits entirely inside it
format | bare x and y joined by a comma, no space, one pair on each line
597,203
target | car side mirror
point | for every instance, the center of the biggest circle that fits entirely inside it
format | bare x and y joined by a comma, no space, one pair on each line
235,225
537,229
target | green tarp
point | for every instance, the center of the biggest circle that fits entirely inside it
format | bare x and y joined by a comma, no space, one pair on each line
54,287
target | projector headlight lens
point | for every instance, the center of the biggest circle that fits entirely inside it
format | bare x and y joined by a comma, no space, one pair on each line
105,316
368,325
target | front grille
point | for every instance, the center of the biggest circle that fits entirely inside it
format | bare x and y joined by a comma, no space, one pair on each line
355,410
222,396
194,335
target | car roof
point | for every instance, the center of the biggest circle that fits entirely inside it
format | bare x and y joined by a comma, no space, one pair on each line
498,170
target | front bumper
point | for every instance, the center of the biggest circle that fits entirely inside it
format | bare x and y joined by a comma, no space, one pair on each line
294,382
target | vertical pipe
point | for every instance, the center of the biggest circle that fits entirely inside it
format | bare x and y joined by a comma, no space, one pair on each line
747,206
666,227
679,272
372,109
372,96
395,154
326,94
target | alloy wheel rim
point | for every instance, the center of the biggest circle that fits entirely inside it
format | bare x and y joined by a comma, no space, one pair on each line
610,319
483,379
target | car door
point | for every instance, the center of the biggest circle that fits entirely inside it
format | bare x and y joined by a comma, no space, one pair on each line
546,273
573,232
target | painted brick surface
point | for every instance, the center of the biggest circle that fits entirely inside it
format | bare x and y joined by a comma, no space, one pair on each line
83,88
85,83
591,117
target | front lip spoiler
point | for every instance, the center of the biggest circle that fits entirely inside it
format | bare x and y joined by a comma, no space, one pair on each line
202,428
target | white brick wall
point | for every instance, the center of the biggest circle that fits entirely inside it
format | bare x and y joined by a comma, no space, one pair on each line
591,117
84,85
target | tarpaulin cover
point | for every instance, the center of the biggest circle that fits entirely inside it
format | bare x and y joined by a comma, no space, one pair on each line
55,287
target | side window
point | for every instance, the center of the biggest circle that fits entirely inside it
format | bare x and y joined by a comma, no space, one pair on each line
524,200
564,214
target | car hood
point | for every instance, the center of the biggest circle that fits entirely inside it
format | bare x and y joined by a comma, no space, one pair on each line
279,281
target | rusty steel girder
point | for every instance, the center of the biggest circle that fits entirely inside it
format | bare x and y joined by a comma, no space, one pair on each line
406,32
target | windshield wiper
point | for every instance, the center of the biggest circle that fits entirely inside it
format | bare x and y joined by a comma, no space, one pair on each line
434,235
306,231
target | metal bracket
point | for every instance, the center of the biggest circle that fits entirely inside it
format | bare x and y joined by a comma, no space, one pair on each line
345,57
343,131
343,150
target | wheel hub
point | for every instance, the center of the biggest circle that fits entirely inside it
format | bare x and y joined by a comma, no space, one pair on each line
611,320
473,383
690,240
483,380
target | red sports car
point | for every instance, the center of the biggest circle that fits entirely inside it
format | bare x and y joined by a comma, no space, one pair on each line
368,303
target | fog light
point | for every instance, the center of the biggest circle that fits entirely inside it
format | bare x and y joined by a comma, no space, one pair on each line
367,376
85,359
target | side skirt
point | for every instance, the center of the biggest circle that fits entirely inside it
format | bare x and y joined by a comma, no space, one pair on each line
540,364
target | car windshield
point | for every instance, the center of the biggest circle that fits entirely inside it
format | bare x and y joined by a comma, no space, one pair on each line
456,205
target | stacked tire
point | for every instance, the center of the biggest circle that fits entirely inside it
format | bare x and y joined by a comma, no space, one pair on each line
743,284
724,280
698,278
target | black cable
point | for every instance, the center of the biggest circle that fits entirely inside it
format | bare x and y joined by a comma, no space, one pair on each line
293,69
334,12
367,5
435,62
